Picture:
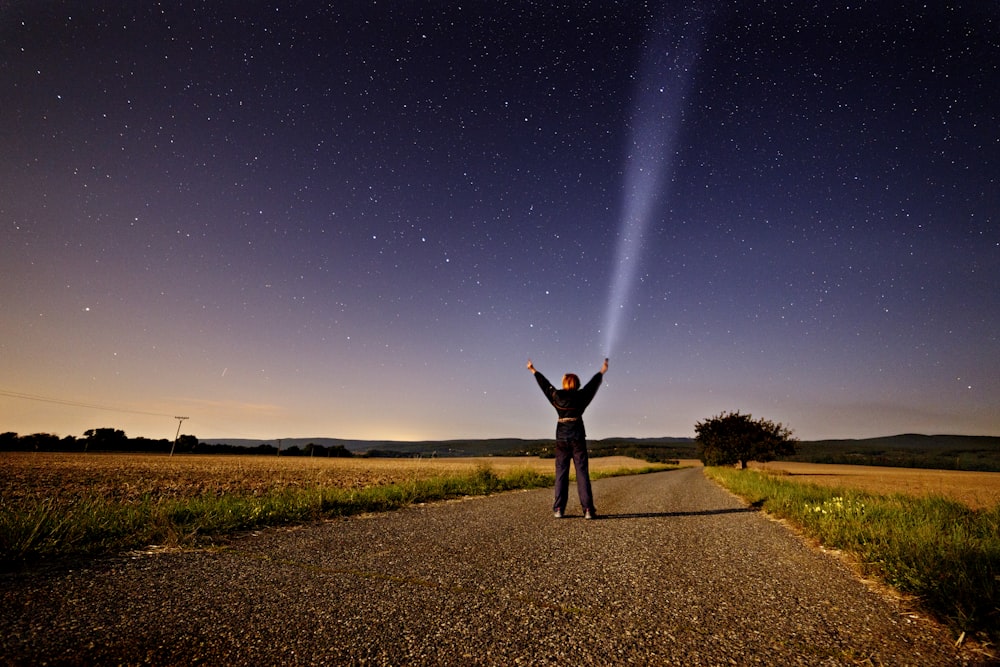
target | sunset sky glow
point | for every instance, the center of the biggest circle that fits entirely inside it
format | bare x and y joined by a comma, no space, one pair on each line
296,220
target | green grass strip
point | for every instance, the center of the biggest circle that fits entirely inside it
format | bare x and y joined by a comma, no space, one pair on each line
938,550
40,528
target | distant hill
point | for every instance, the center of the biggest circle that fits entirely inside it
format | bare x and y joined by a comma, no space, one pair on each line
916,441
488,447
908,450
468,447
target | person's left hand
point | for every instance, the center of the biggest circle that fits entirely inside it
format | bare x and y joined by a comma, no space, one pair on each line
604,368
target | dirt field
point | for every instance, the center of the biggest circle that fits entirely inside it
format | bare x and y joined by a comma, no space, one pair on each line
975,489
131,476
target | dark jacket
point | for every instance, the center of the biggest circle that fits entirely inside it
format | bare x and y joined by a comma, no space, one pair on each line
569,405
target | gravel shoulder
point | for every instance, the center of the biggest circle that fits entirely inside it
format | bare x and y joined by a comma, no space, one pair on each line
675,571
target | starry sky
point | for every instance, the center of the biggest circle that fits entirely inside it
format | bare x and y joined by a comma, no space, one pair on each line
360,219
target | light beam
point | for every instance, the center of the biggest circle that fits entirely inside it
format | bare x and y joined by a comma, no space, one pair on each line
663,82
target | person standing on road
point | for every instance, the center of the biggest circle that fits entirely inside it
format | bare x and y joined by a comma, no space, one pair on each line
571,437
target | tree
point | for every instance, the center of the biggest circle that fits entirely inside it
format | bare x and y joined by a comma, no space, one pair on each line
731,437
105,439
187,443
41,442
8,441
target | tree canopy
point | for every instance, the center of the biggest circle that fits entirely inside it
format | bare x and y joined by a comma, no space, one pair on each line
732,437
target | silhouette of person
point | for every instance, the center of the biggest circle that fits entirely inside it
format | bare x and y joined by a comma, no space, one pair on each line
571,436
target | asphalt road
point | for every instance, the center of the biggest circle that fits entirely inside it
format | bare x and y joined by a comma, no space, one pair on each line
675,571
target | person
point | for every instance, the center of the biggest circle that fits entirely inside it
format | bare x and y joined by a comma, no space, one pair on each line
571,436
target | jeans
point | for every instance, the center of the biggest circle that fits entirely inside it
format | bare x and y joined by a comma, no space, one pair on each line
576,450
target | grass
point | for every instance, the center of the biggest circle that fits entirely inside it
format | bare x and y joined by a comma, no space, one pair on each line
44,527
942,552
40,519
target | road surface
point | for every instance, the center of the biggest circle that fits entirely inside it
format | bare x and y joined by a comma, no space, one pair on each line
674,571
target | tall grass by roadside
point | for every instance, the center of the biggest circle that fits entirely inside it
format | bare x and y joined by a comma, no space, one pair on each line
34,526
938,550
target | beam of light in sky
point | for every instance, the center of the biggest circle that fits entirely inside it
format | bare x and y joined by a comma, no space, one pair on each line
662,85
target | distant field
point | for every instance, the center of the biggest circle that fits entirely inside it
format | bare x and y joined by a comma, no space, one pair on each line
977,490
128,477
58,504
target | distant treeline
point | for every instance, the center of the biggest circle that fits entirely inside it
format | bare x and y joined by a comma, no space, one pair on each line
942,452
115,440
939,452
658,450
654,450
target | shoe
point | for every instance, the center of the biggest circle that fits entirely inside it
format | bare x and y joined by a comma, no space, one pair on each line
589,514
558,514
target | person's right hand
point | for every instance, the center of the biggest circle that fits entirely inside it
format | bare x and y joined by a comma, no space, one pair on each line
531,366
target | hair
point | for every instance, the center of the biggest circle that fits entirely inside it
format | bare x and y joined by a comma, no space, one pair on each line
571,381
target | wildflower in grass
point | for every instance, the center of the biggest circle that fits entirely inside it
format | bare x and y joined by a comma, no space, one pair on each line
837,506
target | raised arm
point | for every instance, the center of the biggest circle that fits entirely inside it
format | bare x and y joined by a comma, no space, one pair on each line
604,368
543,382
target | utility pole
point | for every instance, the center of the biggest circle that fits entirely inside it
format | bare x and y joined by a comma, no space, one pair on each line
180,420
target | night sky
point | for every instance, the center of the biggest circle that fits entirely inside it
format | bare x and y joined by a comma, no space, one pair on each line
285,219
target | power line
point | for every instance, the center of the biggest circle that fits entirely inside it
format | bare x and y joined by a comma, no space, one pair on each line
77,404
94,406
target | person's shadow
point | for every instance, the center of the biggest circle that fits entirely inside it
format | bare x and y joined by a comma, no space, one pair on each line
657,515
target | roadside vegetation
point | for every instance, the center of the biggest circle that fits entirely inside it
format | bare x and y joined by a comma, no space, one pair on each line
939,551
75,505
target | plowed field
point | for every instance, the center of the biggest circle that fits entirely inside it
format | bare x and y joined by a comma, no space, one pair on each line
127,477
